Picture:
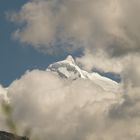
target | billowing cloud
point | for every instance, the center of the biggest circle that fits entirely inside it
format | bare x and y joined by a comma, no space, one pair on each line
107,29
3,93
126,114
102,61
88,23
113,25
3,97
54,108
61,108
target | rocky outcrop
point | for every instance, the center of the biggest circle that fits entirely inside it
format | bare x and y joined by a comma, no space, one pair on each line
9,136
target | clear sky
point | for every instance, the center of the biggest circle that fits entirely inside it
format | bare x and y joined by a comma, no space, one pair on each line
16,58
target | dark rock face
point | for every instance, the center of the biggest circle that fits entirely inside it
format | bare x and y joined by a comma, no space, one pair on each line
10,136
65,70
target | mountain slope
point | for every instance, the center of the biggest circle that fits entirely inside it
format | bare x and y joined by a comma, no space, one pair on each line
70,70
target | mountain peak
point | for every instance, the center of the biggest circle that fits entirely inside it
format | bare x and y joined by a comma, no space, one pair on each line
70,59
68,69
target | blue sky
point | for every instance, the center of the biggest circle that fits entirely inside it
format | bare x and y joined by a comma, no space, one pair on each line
16,58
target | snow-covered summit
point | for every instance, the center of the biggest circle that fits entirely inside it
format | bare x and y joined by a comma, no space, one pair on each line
69,69
66,69
70,59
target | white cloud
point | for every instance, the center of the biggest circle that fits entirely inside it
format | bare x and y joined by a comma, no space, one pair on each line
90,22
3,97
102,61
3,93
55,108
39,25
108,29
126,114
93,24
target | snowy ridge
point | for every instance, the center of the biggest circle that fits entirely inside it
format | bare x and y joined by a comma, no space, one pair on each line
68,69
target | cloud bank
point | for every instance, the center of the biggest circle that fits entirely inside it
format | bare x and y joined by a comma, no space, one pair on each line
3,97
89,23
107,29
109,24
3,93
54,108
61,109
